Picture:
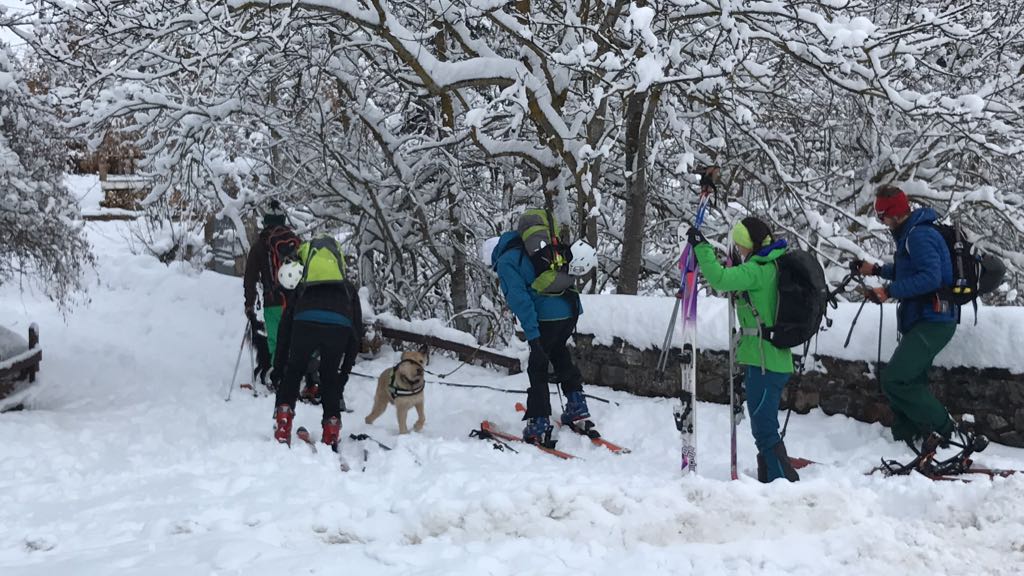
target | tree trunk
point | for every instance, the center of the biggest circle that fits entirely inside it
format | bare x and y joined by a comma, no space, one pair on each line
639,114
460,282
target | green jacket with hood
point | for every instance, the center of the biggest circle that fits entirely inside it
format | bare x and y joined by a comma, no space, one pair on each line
758,277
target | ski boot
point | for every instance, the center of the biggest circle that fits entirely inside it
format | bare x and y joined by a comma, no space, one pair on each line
331,432
283,424
575,408
538,431
311,393
788,471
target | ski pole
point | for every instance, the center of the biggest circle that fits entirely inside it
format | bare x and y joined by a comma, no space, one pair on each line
878,364
238,360
854,323
252,363
667,342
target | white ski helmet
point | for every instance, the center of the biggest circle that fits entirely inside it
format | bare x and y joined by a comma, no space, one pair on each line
290,274
584,258
486,249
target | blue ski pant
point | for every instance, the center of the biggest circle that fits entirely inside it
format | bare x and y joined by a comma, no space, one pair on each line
764,393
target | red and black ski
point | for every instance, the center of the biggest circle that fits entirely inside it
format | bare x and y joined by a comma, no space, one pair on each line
493,430
586,428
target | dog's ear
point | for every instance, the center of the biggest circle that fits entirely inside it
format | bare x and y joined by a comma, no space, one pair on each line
425,350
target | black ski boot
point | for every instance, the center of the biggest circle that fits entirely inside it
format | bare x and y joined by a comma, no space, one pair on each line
787,466
762,470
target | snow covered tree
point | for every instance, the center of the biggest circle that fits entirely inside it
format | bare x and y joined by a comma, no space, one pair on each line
426,126
41,238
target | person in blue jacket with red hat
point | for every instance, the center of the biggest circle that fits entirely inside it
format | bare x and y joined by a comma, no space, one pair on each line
926,321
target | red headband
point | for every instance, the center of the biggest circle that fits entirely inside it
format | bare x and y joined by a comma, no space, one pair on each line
893,206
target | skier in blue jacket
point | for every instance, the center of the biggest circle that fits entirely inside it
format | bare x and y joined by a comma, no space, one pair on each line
926,321
547,308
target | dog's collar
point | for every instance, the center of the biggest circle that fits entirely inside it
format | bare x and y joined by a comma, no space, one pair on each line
393,388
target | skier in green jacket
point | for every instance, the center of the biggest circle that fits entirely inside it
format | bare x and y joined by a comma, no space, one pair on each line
767,368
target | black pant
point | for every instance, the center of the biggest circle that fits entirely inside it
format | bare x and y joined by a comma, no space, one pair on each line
306,338
553,336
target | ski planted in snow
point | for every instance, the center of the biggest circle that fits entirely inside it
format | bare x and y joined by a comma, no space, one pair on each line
685,413
586,428
496,432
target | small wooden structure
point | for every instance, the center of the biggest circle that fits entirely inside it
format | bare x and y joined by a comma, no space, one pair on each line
124,191
21,368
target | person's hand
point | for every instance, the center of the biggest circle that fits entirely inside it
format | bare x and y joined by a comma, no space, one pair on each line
877,294
864,268
537,355
694,236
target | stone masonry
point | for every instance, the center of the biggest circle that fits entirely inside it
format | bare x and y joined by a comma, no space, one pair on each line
994,396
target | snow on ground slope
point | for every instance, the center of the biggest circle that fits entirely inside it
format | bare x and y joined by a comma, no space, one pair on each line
131,462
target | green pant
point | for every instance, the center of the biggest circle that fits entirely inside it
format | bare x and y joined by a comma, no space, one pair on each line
272,319
905,382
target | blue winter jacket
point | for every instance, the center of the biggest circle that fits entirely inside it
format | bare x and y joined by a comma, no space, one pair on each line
516,274
920,267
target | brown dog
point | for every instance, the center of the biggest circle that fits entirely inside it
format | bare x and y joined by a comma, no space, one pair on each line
402,385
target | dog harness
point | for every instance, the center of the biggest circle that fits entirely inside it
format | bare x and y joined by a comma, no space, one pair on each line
393,388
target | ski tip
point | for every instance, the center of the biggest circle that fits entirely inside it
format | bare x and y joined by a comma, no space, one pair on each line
520,407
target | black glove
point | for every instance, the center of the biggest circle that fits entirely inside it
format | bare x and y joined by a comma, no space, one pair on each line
862,268
694,236
537,355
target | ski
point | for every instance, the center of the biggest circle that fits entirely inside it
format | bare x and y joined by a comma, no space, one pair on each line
586,428
362,437
492,429
366,453
685,413
302,434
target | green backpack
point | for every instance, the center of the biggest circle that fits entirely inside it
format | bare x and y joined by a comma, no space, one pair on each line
550,260
323,261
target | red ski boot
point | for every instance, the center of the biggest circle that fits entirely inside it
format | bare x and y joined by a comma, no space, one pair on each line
332,430
283,424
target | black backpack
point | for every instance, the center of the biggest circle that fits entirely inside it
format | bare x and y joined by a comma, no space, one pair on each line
973,274
802,299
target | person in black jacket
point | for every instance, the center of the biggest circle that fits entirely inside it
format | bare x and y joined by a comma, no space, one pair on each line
276,243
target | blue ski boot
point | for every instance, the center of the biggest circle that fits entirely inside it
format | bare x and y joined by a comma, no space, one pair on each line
538,430
575,408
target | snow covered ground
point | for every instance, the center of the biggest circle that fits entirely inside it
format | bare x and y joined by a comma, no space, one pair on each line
130,462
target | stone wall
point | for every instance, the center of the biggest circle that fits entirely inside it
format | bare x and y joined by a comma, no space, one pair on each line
994,396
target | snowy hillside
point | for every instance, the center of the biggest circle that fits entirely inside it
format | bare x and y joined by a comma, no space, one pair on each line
131,462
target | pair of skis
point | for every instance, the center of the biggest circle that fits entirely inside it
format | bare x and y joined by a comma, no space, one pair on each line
685,412
491,431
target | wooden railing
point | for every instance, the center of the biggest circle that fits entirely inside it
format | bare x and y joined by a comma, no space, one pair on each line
21,367
466,352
